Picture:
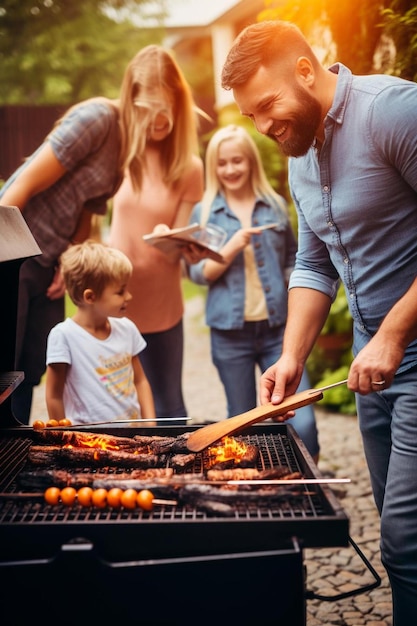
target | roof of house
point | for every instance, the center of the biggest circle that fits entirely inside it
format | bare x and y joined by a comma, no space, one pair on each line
195,12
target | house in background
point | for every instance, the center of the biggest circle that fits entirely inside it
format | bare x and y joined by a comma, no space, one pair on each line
204,31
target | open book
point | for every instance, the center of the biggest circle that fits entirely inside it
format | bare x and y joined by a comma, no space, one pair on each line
173,239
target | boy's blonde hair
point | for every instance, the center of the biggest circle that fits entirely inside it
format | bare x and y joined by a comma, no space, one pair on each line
92,265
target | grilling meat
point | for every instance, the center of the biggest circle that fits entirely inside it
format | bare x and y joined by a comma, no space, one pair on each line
182,461
139,443
239,473
234,494
214,507
79,439
96,457
41,479
164,445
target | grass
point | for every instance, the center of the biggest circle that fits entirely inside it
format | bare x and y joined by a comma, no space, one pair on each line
69,306
191,290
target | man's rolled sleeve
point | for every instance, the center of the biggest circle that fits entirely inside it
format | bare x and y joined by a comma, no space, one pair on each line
314,280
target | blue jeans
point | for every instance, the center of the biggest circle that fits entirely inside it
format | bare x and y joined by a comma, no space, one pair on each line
237,353
388,423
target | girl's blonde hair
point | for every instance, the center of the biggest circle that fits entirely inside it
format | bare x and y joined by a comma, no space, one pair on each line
92,265
154,69
260,184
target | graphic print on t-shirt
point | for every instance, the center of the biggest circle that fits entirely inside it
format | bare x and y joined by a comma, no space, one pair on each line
116,375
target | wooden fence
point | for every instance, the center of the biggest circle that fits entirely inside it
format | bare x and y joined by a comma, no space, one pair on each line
22,130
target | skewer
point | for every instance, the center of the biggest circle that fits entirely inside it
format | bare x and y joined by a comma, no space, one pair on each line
295,481
27,495
290,481
133,422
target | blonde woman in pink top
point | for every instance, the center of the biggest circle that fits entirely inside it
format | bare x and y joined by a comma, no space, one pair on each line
167,183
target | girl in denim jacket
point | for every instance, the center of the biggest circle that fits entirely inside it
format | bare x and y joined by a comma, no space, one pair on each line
246,307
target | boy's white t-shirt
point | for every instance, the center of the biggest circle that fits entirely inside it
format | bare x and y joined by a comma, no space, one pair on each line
99,384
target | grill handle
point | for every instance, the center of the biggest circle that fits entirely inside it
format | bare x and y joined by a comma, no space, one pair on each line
84,549
312,595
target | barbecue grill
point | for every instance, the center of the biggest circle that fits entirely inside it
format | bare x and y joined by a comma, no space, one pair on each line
175,564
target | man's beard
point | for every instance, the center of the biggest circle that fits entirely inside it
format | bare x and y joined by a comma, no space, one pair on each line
304,124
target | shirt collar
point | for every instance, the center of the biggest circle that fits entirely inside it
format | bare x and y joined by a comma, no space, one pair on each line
220,204
343,87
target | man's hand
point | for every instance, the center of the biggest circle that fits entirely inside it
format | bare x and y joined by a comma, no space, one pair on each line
278,381
375,364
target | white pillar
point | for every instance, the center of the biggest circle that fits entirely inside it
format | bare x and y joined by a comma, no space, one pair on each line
222,37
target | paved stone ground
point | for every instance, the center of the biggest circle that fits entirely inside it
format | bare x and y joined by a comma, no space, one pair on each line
330,571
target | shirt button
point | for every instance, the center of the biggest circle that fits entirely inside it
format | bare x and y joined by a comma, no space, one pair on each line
326,188
351,295
346,260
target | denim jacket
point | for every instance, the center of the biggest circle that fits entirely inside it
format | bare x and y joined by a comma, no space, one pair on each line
274,251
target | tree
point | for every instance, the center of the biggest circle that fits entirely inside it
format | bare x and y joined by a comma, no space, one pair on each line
60,52
401,25
357,28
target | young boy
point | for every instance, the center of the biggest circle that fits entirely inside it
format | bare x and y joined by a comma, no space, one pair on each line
93,368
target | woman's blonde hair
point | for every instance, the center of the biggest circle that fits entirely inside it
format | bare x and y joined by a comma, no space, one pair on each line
92,265
260,184
154,69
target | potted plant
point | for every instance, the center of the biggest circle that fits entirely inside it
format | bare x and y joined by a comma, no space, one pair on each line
330,358
339,399
336,335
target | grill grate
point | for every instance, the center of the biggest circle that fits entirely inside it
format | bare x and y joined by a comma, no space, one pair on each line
315,518
275,450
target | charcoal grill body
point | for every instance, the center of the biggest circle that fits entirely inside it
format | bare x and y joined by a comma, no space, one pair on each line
174,565
246,568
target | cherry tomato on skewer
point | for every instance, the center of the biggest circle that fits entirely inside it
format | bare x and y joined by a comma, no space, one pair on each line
84,496
68,495
114,497
65,422
144,499
52,495
128,498
99,498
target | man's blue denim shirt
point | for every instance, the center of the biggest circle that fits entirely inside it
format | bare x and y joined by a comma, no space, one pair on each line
357,200
274,256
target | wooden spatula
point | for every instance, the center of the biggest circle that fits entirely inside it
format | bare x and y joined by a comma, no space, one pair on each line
206,436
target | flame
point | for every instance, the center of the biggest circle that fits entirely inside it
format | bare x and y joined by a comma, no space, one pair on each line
95,441
229,449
